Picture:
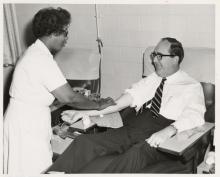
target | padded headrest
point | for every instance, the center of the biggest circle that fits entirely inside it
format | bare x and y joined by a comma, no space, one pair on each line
197,62
79,63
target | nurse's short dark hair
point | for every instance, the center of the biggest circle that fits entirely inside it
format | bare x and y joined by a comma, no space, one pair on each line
50,20
176,48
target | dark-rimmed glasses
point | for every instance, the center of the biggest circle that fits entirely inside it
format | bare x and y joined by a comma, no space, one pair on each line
159,55
64,32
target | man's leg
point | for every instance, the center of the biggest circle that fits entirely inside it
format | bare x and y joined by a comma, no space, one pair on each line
141,153
133,160
136,158
87,147
128,114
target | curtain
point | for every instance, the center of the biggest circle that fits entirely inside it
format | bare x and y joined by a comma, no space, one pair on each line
12,47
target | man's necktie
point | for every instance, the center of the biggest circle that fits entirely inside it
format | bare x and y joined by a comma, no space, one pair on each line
156,100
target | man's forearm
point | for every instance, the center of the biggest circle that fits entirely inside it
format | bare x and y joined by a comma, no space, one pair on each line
107,110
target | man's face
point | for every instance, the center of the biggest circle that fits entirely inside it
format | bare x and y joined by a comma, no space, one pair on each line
161,58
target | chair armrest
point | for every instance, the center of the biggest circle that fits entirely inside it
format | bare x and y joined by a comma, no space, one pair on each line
181,142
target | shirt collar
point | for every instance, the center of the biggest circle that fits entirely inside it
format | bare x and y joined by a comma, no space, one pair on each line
43,47
174,76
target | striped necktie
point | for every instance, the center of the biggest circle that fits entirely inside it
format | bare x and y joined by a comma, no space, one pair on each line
156,100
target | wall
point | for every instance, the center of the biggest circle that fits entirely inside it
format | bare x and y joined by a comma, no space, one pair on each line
126,30
82,31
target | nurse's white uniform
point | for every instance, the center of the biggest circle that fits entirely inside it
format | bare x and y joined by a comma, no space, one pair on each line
27,121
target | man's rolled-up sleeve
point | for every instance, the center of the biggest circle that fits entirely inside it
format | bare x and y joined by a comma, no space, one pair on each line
138,93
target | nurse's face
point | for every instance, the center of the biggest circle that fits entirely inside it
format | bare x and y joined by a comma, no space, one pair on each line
60,40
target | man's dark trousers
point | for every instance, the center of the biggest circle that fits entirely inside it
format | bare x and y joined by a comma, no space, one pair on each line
128,142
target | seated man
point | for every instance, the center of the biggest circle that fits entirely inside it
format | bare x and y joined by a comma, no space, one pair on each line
171,101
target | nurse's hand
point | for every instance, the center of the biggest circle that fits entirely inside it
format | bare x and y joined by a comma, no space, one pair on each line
71,116
105,102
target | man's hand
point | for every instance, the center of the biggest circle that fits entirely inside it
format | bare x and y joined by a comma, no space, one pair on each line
71,116
105,102
159,137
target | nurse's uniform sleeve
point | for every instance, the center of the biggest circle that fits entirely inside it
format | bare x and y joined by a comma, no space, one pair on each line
52,76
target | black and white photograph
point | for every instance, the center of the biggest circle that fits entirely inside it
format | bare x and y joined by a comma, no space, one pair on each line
109,87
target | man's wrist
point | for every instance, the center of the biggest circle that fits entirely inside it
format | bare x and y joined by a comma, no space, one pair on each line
175,130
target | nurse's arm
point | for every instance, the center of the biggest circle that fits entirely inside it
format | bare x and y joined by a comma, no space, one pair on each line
66,95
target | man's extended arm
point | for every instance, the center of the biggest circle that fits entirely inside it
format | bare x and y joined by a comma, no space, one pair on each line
123,101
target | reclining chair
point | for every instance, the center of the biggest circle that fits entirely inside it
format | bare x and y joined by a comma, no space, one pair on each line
199,63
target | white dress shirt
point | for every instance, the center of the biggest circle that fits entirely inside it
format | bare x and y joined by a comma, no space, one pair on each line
182,100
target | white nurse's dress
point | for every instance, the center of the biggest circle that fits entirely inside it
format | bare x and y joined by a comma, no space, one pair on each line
27,120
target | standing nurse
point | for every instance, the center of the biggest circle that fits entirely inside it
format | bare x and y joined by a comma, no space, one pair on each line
37,81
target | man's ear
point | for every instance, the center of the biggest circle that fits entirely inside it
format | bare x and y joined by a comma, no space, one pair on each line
176,59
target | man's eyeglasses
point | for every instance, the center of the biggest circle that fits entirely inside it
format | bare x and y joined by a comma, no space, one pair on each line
159,55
